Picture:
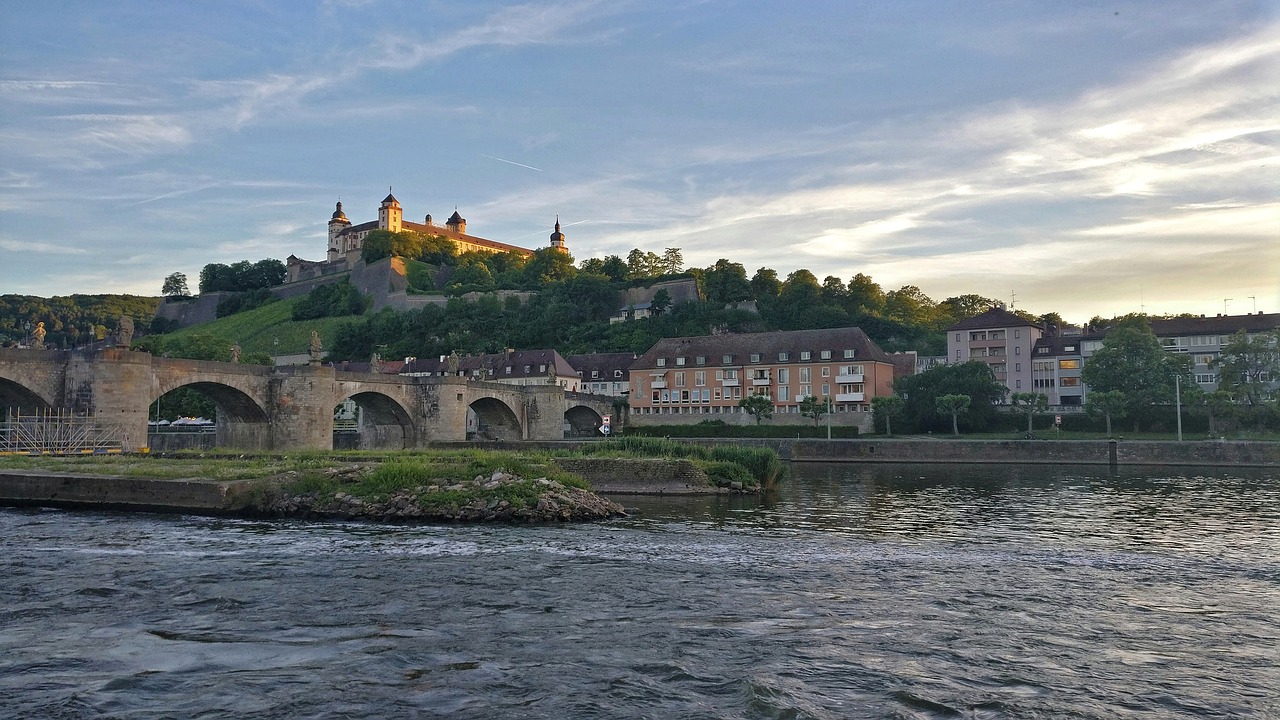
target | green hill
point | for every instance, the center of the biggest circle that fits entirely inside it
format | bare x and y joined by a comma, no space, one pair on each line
257,330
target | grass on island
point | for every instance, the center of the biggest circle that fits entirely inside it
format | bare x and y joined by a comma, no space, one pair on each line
1116,434
379,474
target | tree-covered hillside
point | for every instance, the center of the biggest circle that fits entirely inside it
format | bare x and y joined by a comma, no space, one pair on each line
72,320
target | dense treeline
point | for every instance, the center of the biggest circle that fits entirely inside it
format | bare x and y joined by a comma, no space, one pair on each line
72,320
571,310
242,276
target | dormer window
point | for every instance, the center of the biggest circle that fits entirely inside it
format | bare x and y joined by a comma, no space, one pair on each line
617,373
595,374
806,355
727,360
826,355
755,357
784,357
660,362
680,362
700,360
848,354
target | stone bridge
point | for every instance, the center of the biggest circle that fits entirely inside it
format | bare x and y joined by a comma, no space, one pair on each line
291,408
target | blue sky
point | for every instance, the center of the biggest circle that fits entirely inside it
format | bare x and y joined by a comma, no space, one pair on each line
1085,158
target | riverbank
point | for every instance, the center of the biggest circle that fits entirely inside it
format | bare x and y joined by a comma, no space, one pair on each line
499,497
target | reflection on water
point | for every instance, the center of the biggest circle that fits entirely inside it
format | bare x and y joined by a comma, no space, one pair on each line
855,591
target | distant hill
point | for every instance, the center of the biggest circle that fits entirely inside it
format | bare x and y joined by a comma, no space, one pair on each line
72,320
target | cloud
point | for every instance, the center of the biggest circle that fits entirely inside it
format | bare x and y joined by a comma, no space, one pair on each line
39,248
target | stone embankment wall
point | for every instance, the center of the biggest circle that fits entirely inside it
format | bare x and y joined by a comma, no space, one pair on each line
1060,452
624,476
39,488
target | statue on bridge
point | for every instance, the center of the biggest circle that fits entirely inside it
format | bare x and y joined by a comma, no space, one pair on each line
124,332
316,348
451,363
37,336
235,353
375,363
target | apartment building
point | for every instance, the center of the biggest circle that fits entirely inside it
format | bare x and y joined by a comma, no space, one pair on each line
1000,339
604,373
510,367
709,375
1056,364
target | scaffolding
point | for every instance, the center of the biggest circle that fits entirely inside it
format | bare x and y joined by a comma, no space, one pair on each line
57,432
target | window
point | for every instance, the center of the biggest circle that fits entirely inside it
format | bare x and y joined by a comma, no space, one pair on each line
826,389
783,357
957,337
805,374
700,378
1070,382
784,393
1017,349
1017,333
805,354
716,393
508,368
1017,367
825,354
726,359
730,374
617,373
1017,383
661,362
679,362
1208,379
679,379
1205,359
595,374
719,374
805,391
755,357
784,376
1069,364
1042,351
849,354
1068,348
666,396
957,354
826,371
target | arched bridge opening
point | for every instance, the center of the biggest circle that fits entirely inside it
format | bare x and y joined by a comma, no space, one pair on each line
493,420
582,421
239,421
18,399
372,421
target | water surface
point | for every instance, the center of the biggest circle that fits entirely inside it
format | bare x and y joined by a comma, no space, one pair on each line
857,592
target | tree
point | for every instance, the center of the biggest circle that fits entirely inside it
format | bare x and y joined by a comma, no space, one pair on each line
887,407
1132,361
548,265
953,405
661,301
865,297
1248,365
175,286
758,406
910,306
1031,404
812,407
726,282
1109,403
1220,405
672,261
972,379
765,284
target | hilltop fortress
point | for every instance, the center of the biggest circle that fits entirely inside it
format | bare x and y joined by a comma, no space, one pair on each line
346,241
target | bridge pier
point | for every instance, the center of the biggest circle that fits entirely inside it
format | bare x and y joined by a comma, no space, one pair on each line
300,408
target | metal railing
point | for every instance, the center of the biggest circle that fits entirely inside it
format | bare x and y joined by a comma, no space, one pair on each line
57,432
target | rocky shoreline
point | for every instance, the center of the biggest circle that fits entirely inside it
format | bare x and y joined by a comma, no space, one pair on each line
478,500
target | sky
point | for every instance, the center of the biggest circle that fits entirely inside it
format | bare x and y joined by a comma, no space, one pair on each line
1086,158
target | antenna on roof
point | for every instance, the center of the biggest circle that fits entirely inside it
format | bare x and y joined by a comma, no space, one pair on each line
1013,299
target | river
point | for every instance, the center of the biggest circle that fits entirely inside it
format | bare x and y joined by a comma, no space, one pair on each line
872,591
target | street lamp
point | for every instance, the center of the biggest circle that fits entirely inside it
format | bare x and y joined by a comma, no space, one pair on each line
1177,402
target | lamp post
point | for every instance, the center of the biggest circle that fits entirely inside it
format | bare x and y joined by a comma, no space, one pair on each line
1177,402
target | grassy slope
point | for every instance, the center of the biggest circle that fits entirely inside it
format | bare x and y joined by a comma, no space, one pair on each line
256,330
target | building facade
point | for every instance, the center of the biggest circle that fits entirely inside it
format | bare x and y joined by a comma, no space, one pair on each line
604,373
709,375
510,367
1000,339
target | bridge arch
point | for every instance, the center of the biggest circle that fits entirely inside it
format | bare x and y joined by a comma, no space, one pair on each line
15,396
384,424
241,422
495,420
582,421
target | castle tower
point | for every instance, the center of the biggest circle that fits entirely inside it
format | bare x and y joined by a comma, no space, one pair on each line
456,223
337,223
557,238
390,214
